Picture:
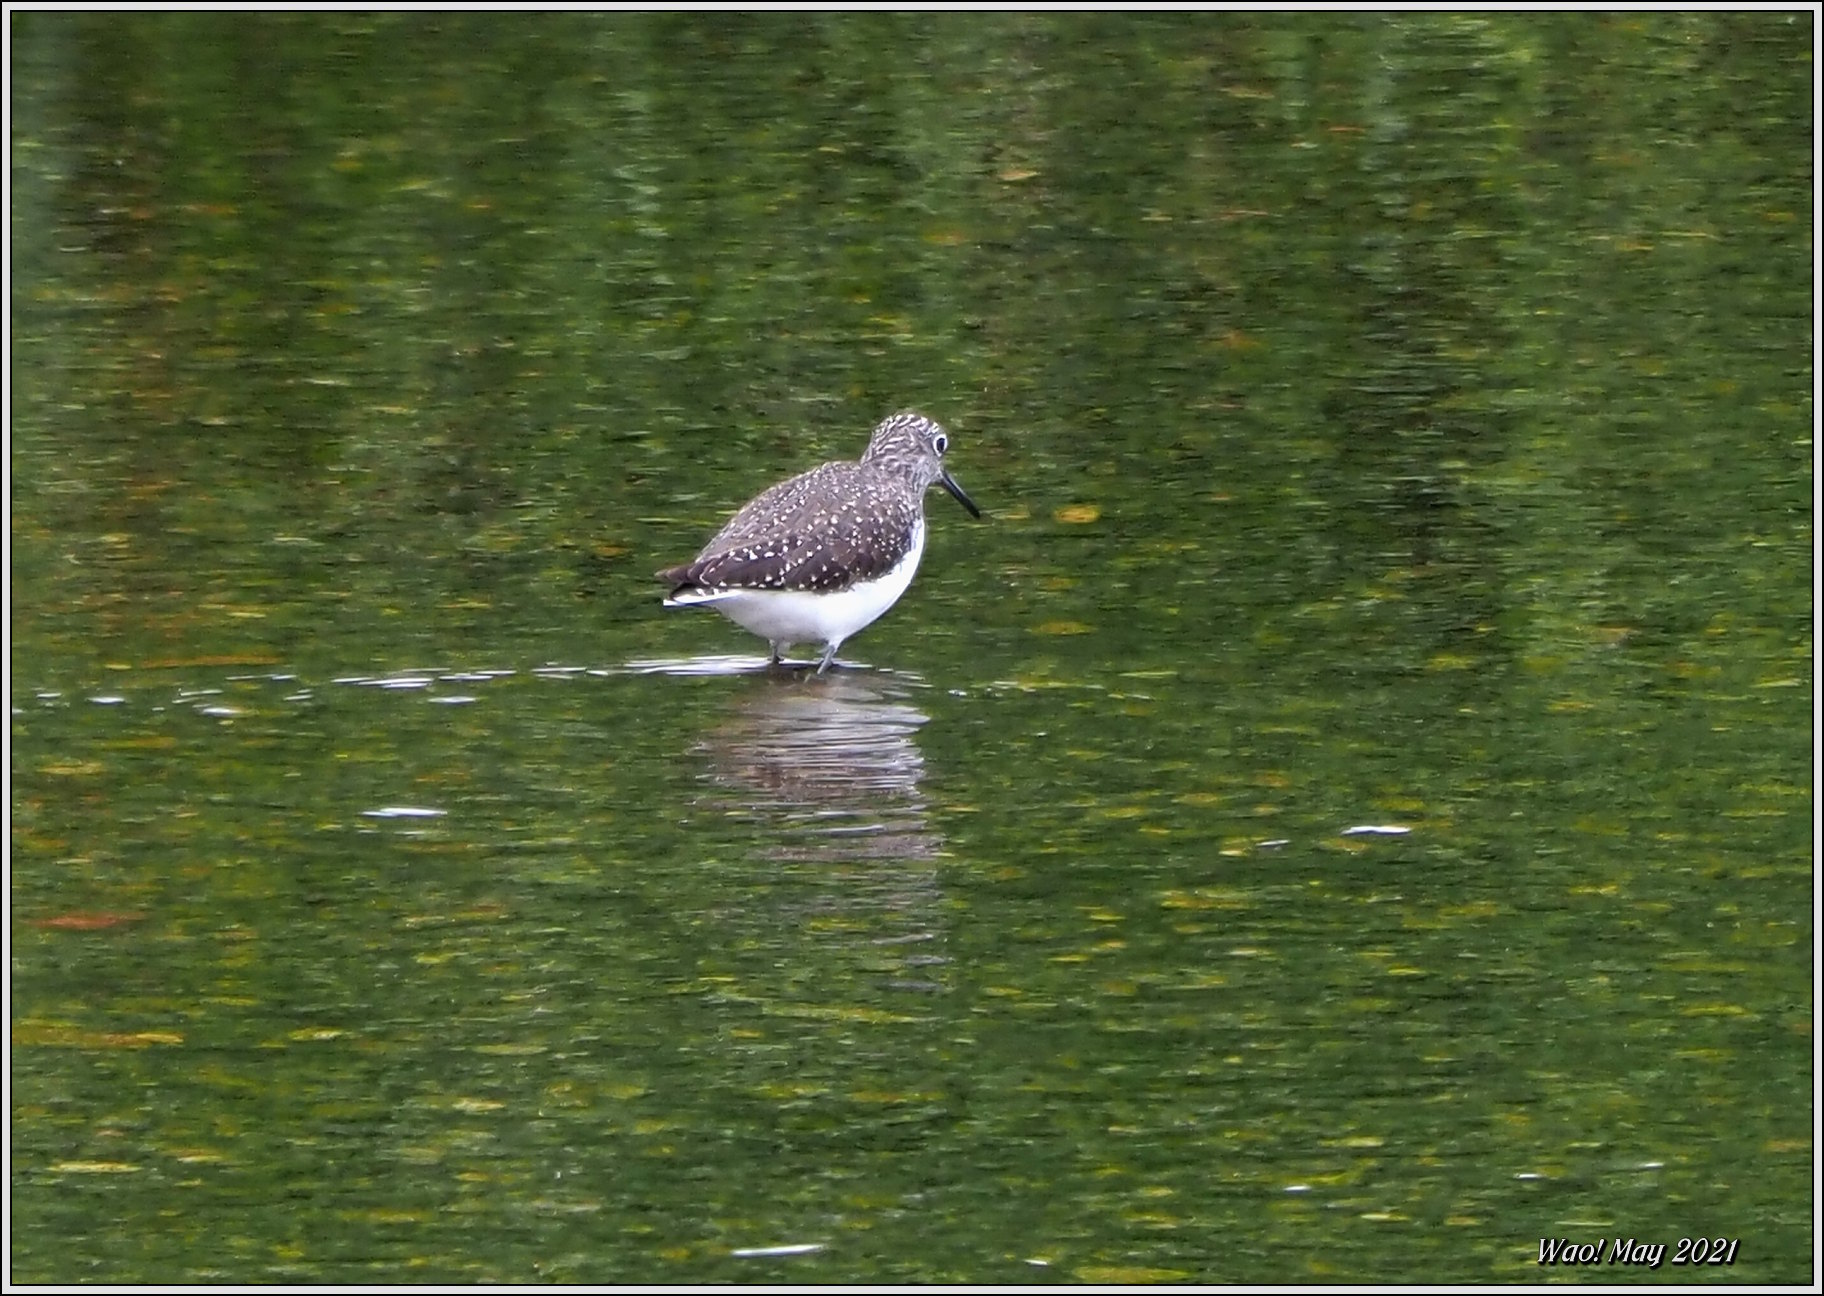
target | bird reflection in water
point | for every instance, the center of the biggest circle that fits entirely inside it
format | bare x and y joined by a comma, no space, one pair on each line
827,772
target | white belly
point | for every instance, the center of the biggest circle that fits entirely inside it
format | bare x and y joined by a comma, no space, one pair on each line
789,616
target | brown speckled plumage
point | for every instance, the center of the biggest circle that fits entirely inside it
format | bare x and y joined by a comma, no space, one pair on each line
833,526
816,558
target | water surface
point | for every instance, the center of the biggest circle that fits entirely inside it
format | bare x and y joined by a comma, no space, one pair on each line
1344,815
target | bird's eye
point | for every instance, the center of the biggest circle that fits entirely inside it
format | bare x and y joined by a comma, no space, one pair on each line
940,443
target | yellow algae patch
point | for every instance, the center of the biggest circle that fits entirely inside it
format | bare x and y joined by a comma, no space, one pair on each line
44,1034
1129,1275
475,1106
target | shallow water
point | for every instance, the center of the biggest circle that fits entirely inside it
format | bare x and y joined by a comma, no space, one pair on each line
1343,815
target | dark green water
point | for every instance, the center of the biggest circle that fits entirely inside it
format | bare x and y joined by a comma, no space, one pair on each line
1394,422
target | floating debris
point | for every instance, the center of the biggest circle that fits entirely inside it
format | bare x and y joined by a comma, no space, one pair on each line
403,812
791,1248
1378,830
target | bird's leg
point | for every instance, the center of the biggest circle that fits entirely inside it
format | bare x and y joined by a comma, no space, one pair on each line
829,655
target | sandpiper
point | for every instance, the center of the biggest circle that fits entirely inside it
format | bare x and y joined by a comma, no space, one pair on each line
816,558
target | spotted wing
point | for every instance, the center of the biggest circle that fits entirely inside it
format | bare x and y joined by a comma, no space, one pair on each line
818,531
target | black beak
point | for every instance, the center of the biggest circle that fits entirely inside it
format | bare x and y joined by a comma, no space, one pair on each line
961,498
